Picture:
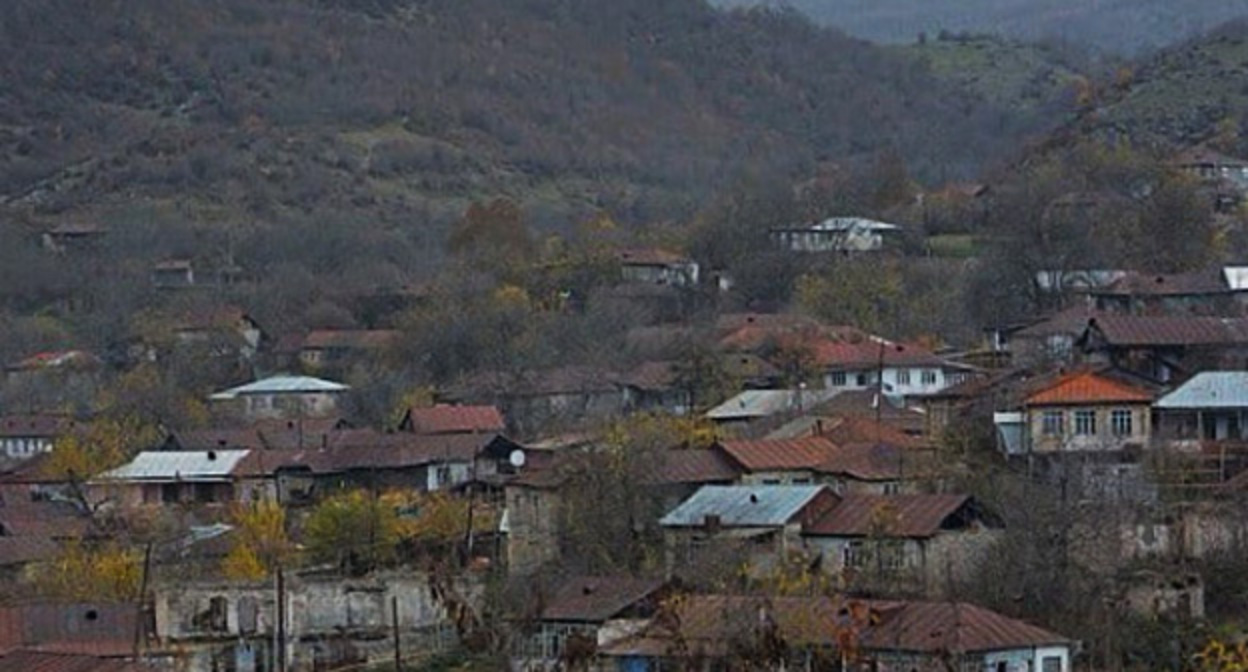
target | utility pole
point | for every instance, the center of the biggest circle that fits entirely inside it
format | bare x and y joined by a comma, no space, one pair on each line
281,621
140,602
394,621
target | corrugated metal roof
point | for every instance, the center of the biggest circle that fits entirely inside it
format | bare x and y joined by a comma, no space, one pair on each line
171,465
779,454
911,516
43,661
693,466
762,403
595,599
282,385
447,419
853,224
743,505
1139,330
707,624
1210,389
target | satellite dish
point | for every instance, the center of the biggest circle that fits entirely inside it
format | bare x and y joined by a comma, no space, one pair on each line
516,458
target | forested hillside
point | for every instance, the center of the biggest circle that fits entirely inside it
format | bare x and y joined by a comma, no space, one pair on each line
1121,26
402,111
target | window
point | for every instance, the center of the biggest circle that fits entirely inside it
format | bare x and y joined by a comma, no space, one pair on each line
1052,423
862,380
856,554
903,376
892,554
892,488
1120,422
443,474
837,379
929,377
1051,664
1085,423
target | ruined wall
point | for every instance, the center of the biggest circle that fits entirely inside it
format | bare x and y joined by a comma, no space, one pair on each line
328,620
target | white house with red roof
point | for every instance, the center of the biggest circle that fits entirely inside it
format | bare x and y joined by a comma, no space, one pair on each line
898,369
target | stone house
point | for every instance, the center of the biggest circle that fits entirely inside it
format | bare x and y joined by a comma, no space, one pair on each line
760,524
288,397
211,478
584,610
1088,410
922,544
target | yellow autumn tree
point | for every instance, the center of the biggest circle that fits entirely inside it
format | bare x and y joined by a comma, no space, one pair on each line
261,543
1220,656
106,443
105,573
355,530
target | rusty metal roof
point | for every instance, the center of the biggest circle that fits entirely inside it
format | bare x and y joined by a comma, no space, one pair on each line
910,516
1166,330
693,466
87,628
448,419
45,661
708,624
778,454
955,627
595,599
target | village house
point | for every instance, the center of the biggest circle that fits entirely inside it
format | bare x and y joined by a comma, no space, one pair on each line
173,274
586,610
891,636
213,477
657,386
885,416
896,369
537,399
921,543
754,412
226,331
656,266
330,348
452,419
69,368
1088,410
1166,349
24,436
281,397
73,237
1209,165
868,467
1214,291
754,524
1210,406
532,510
846,235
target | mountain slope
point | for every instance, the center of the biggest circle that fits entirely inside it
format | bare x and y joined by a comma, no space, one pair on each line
398,111
1123,26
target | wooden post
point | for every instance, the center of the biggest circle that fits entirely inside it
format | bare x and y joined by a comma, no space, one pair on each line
281,621
139,621
394,620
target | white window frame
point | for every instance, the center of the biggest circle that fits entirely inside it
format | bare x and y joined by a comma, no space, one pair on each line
928,377
1053,423
1121,422
855,554
1085,422
903,376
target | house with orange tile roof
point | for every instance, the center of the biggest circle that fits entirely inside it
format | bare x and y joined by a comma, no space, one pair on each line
1088,410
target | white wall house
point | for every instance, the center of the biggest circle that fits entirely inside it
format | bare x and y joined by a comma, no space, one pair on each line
282,397
836,234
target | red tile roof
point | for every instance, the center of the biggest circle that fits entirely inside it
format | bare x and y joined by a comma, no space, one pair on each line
447,419
871,353
1089,387
596,599
912,516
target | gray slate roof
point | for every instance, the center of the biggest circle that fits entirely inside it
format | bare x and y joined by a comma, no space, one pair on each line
743,505
1211,389
282,385
178,465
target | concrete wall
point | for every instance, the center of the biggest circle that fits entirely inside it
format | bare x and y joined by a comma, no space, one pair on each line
532,528
321,614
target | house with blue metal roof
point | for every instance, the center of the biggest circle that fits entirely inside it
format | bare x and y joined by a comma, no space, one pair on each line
731,526
281,397
1210,406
